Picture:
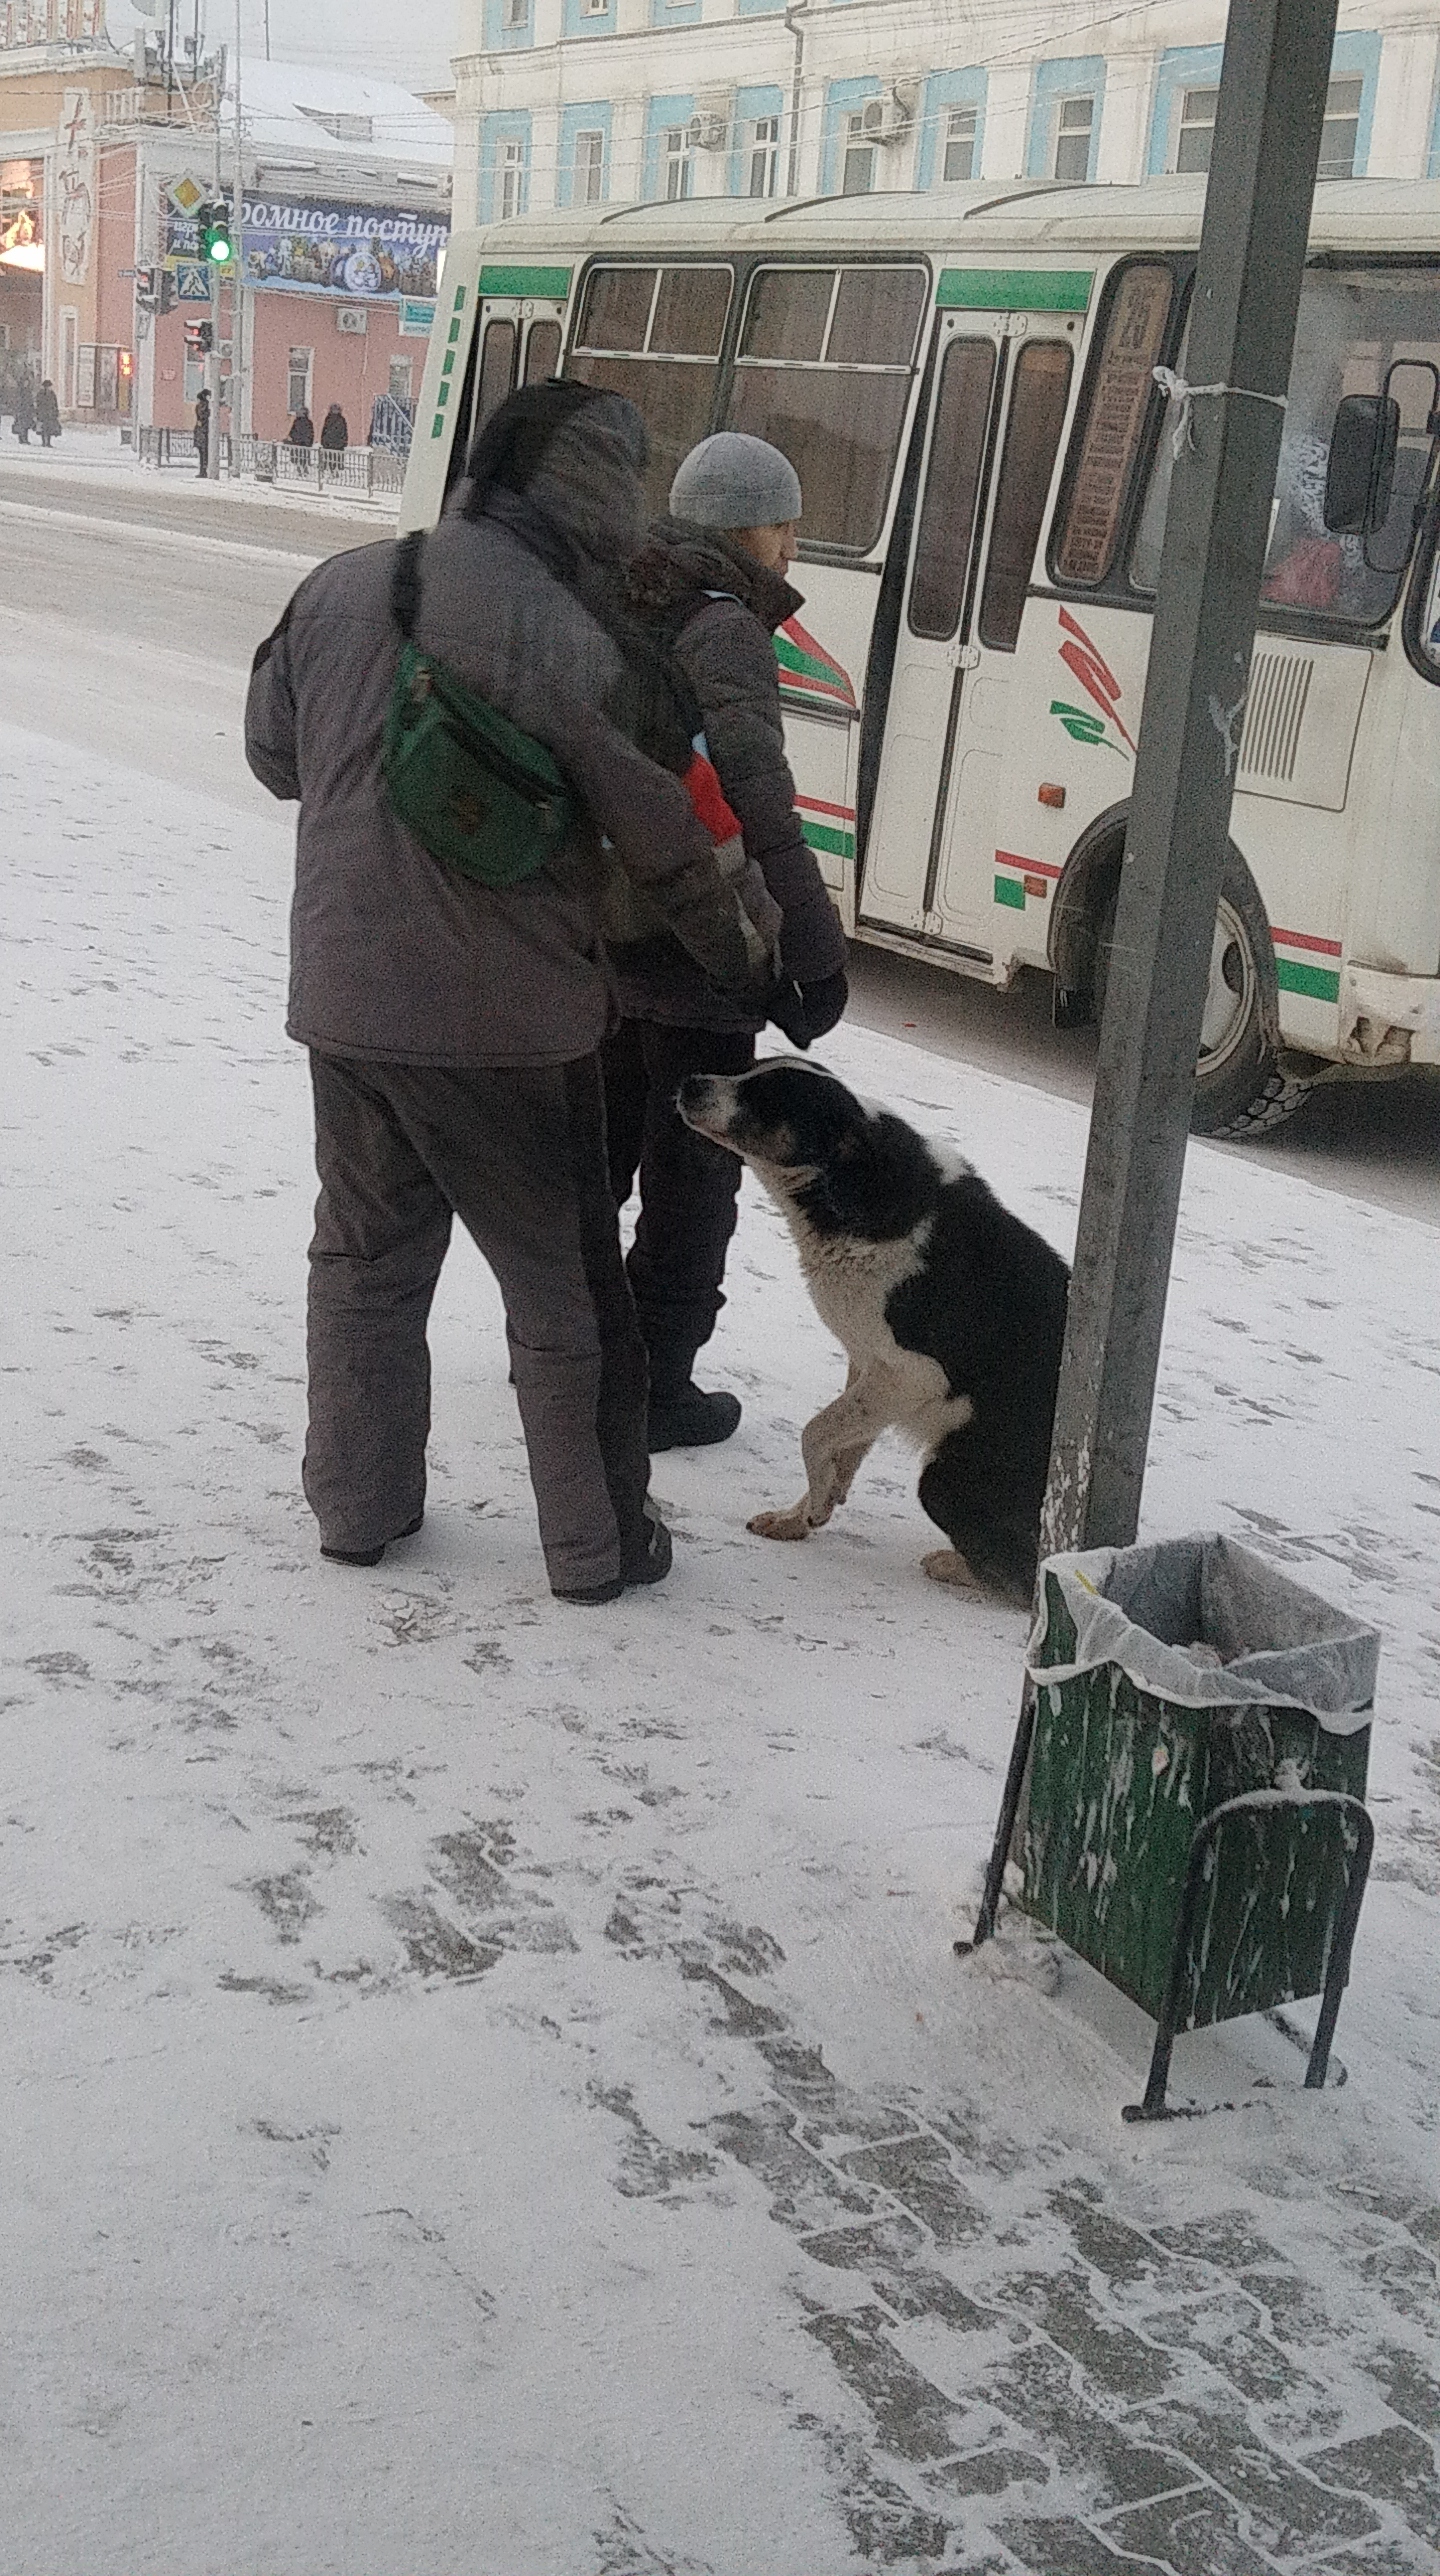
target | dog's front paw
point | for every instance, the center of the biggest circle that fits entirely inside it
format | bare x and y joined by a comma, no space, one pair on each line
791,1524
947,1565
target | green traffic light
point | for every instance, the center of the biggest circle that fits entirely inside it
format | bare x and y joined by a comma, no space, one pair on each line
216,244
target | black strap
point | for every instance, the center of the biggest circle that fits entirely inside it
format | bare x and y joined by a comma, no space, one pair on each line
405,583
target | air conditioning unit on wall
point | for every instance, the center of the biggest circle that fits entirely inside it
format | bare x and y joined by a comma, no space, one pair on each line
352,317
890,119
709,128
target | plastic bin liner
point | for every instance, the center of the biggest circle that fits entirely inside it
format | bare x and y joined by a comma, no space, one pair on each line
1145,1609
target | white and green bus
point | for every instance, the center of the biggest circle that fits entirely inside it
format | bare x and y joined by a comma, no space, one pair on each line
966,385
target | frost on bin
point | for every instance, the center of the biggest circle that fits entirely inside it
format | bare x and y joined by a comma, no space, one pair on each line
1170,1679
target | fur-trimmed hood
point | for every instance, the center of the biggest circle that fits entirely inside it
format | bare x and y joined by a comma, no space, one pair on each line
679,564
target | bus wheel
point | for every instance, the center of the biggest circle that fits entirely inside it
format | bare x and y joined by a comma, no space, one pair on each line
1241,1086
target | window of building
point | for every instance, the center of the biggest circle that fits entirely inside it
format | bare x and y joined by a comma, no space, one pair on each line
946,536
510,194
1074,125
1338,136
297,380
1340,130
764,156
515,13
1197,129
654,334
342,123
959,157
678,163
1121,391
589,167
595,8
824,373
857,169
1032,439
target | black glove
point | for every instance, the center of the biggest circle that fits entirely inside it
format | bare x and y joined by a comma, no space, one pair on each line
785,1005
825,1002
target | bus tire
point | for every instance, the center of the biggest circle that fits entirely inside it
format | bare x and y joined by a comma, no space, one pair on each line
1245,1082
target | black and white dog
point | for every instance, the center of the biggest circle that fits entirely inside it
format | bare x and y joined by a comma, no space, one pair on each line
951,1311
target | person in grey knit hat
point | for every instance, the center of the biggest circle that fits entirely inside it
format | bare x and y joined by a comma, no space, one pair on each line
738,482
710,589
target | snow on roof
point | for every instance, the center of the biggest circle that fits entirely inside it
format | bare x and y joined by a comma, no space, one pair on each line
307,112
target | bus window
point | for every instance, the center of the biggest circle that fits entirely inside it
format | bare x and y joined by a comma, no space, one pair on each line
1376,331
947,516
497,371
1149,539
542,352
1032,438
654,335
823,372
690,312
1122,388
1361,334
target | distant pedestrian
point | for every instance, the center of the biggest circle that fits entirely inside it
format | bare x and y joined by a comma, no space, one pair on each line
202,429
47,413
334,436
24,411
302,429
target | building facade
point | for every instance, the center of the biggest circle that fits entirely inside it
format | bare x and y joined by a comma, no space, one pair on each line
106,156
586,102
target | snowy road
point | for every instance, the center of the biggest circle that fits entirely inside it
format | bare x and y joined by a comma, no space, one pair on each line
488,2086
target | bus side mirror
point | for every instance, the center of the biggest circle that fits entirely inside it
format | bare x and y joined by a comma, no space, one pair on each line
1360,474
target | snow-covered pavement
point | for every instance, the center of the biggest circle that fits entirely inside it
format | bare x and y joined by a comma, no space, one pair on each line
489,2086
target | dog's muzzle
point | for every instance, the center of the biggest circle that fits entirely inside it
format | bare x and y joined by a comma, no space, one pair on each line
706,1102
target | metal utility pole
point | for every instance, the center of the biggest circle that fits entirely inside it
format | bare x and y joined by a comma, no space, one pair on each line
212,363
1247,288
237,272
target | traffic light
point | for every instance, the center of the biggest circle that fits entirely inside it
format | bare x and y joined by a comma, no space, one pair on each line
216,244
166,302
199,339
146,289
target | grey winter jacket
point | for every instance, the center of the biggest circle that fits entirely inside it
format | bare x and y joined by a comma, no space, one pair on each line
717,608
393,956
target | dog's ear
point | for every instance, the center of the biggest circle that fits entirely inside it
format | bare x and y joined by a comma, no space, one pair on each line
847,1177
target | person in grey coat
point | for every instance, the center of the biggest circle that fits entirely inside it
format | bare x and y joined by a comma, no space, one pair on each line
453,1030
710,588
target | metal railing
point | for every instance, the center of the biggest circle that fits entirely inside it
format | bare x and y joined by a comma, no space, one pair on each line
356,472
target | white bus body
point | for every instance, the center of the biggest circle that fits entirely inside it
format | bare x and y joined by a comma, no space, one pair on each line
966,387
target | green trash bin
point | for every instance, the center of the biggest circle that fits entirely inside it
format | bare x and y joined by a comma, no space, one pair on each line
1195,1826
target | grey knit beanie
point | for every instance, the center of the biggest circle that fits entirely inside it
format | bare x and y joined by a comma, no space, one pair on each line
734,481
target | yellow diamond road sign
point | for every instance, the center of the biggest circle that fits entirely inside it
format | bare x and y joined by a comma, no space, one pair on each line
185,194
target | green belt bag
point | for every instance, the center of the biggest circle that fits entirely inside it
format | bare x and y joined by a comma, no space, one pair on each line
475,791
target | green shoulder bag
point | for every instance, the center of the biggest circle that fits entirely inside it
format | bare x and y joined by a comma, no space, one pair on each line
476,792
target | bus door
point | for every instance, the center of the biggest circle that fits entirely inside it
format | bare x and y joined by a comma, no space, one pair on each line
517,342
1000,392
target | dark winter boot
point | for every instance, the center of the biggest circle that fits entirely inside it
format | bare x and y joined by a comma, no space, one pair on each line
689,1418
649,1564
370,1555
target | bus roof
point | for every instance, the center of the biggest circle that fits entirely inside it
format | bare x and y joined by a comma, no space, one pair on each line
1359,215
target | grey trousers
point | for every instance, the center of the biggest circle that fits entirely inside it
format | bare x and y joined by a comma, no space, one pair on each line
519,1156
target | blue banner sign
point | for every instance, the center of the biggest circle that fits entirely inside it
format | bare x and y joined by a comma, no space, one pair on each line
315,247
